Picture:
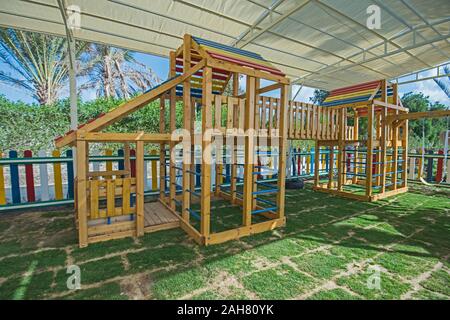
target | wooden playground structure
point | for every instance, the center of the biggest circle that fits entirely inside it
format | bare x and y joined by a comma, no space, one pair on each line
110,204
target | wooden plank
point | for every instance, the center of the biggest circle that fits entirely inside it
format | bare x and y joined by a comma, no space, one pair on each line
217,112
264,113
110,197
237,233
108,173
123,137
93,195
150,215
164,226
271,101
126,195
230,113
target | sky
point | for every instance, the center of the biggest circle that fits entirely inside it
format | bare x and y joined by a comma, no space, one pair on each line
160,66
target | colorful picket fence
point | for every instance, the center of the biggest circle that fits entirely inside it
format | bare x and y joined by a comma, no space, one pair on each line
28,181
36,181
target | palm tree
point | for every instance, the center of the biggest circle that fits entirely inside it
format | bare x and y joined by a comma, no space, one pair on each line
444,83
114,72
38,63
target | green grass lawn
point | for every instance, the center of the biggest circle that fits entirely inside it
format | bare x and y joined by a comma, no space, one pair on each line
330,249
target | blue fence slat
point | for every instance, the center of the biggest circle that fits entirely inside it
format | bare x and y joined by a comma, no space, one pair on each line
198,169
70,176
121,162
430,167
227,173
15,182
312,161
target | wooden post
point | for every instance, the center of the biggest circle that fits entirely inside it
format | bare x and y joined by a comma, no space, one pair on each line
283,145
206,152
369,158
162,149
257,140
192,169
394,139
172,125
187,127
126,157
316,163
249,150
355,155
405,154
383,144
140,188
81,198
331,168
234,140
378,154
341,148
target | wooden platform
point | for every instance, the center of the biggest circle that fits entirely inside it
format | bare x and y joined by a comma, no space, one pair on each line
156,213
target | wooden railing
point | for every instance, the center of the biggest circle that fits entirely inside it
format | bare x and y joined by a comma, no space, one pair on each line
305,120
102,197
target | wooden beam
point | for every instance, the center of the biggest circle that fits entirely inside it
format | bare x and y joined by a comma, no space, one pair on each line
123,137
234,140
418,115
206,152
282,150
383,158
187,127
369,159
81,197
230,67
249,150
130,106
172,128
140,188
162,148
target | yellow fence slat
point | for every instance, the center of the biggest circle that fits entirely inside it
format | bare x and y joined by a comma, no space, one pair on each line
126,187
154,171
110,197
57,176
108,152
93,193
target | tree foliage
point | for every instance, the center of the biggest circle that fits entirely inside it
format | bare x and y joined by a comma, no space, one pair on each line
318,96
114,72
37,63
432,128
33,127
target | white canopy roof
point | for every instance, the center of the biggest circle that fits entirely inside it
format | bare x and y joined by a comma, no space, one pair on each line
319,43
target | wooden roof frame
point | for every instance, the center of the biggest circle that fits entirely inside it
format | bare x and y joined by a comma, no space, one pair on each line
135,104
